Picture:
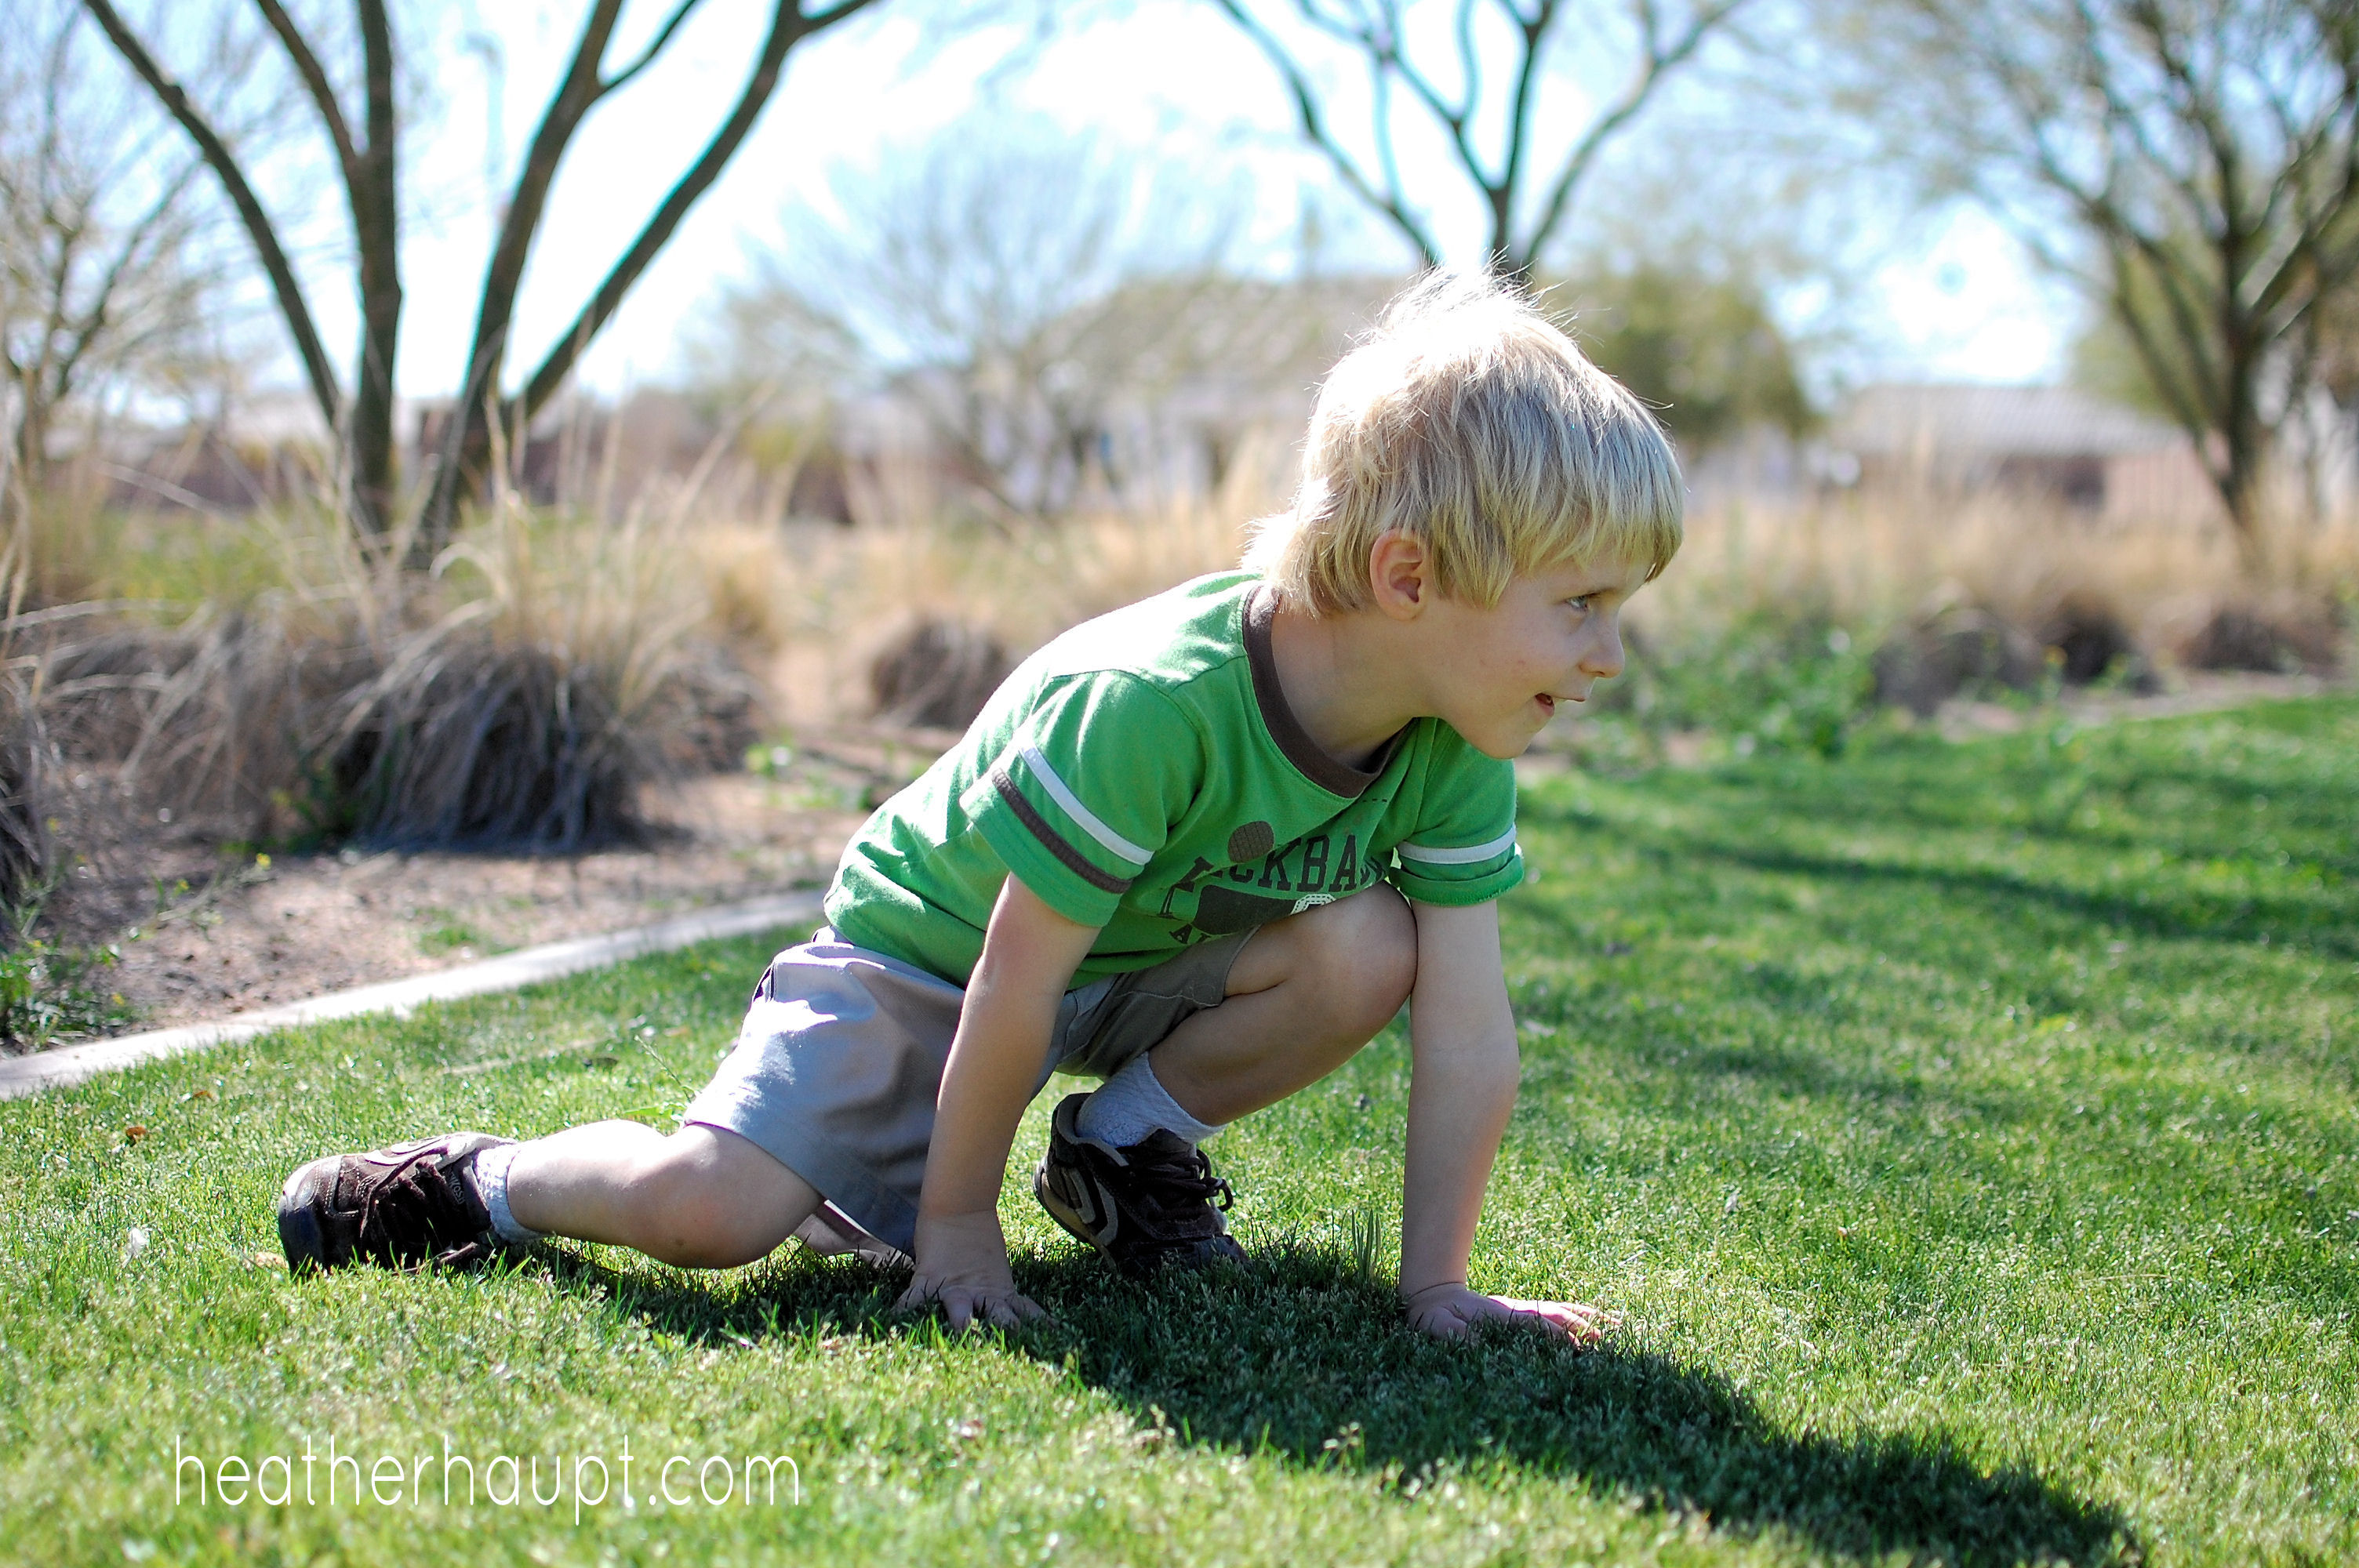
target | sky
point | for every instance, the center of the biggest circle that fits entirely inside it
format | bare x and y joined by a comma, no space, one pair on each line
1954,299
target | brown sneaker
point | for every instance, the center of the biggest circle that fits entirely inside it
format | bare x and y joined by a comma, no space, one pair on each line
1144,1205
402,1208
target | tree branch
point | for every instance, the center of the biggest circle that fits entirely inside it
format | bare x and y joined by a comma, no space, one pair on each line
95,320
1314,129
284,287
315,81
1380,126
576,92
787,27
655,47
376,236
1634,98
1519,108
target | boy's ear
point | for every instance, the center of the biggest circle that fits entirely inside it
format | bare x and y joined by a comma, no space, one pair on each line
1399,574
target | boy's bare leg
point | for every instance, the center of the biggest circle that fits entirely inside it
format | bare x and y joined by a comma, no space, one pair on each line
1306,993
701,1199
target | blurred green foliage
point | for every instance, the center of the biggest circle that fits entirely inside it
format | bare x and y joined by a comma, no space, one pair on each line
48,995
1763,679
1701,349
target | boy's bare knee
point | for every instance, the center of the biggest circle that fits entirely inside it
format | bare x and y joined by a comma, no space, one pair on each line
1364,955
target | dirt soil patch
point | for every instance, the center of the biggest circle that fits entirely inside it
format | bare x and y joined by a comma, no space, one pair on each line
204,936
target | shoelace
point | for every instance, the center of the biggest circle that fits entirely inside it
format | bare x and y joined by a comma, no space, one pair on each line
424,1211
1182,1174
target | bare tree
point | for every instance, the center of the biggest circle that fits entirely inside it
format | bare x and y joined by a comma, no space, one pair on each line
101,281
2192,164
365,144
1014,285
1444,67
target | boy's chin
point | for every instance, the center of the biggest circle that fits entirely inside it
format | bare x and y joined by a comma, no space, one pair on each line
1505,738
1505,747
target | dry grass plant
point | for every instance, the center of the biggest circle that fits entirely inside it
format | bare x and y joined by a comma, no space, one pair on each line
829,600
1869,561
27,760
564,664
519,696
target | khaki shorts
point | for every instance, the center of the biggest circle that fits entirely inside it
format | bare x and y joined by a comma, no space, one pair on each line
840,1059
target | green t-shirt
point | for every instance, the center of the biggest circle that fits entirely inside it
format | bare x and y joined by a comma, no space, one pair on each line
1143,773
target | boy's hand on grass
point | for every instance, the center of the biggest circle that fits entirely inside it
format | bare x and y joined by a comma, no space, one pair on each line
962,1264
1450,1311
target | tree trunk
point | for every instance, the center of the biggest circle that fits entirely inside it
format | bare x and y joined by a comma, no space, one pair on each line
30,449
465,455
376,232
469,449
2240,474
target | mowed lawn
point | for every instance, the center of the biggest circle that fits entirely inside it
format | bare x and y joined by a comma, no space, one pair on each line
1970,1135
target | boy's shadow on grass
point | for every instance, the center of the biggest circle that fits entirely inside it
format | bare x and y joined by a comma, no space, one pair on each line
1302,1361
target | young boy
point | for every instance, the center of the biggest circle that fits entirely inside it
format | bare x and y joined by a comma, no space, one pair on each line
1202,848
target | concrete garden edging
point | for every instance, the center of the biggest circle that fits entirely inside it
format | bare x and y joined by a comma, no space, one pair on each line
28,1075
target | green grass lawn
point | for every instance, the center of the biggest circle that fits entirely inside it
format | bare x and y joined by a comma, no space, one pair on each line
1969,1134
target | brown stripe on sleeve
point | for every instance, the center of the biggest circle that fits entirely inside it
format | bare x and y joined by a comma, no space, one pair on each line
1072,858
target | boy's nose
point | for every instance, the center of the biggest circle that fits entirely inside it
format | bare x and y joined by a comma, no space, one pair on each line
1602,660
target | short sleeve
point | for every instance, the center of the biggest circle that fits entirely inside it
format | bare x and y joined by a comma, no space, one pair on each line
1083,794
1463,848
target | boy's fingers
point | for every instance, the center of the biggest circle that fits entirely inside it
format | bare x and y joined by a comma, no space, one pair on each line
1013,1310
1442,1323
966,1306
957,1302
1584,1324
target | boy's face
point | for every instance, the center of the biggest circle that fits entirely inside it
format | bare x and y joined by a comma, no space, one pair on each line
1500,674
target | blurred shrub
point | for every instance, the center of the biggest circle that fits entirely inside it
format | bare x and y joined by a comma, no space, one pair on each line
1764,680
1954,650
26,763
2278,635
1703,349
48,994
2093,642
519,698
938,674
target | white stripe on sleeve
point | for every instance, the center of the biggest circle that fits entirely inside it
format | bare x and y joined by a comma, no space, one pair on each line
1115,842
1465,857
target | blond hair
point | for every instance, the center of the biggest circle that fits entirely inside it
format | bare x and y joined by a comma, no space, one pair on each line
1469,421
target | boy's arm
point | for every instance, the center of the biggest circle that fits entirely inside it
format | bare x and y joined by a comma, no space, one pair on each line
1030,953
1464,1068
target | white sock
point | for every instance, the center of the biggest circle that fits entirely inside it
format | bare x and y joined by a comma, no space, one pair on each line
492,1181
1133,1104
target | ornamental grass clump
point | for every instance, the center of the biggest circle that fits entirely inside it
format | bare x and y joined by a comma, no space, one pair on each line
565,668
521,696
